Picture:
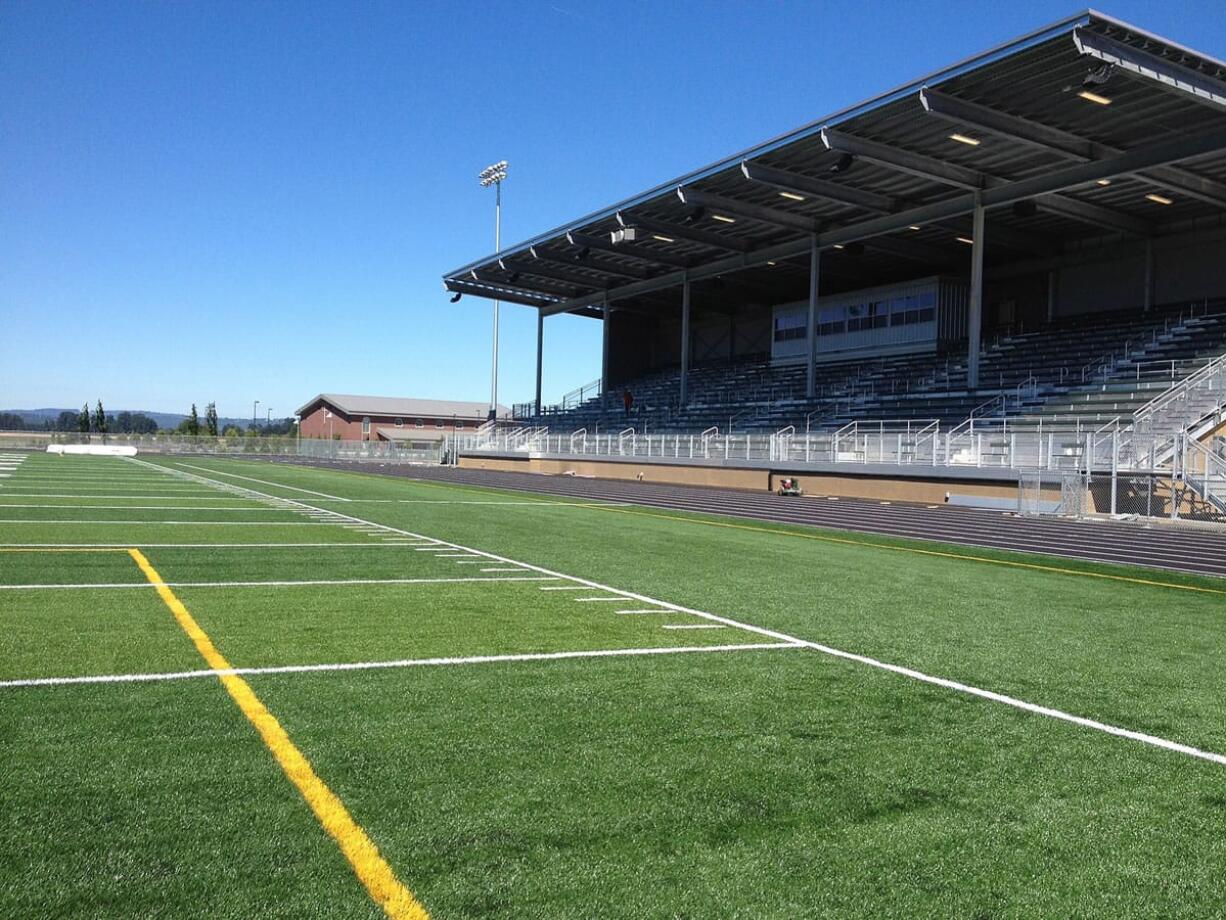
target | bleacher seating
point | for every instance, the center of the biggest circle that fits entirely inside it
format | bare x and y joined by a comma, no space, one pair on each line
1091,368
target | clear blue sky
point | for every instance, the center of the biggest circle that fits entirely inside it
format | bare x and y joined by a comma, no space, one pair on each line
238,201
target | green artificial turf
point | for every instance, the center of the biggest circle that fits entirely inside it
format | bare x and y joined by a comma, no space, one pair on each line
760,783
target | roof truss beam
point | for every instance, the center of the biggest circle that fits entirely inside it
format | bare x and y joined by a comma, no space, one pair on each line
1168,150
915,164
1055,140
758,212
525,286
809,187
482,289
538,268
1171,76
684,232
591,263
625,250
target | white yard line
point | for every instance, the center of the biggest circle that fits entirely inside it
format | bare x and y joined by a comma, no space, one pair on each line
694,626
599,600
277,485
178,523
203,497
351,545
273,584
920,676
135,507
635,611
400,663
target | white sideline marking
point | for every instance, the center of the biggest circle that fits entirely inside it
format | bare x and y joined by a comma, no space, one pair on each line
597,600
502,570
694,626
400,663
634,611
272,584
456,555
566,587
920,676
277,485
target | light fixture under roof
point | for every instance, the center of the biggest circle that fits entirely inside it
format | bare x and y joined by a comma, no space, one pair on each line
963,139
1103,182
724,218
791,196
1159,199
914,227
662,238
772,263
1096,98
965,239
838,245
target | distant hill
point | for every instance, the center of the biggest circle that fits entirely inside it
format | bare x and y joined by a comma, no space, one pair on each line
36,417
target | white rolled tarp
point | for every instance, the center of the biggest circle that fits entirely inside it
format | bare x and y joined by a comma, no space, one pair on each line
100,450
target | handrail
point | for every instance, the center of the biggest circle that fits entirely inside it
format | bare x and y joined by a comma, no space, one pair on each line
1174,392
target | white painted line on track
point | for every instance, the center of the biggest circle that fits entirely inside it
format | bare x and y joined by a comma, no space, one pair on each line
920,676
400,663
135,507
276,485
273,584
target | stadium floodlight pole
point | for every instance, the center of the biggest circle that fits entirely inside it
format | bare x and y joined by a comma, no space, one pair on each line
493,175
255,407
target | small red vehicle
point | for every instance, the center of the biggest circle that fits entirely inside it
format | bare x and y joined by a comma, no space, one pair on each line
789,485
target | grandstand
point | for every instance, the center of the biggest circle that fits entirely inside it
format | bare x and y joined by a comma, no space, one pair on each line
1013,262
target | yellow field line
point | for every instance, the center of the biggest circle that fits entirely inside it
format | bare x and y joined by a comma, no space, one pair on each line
369,866
916,550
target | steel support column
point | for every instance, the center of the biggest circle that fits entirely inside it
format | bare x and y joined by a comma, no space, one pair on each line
815,256
1149,275
540,339
974,319
606,313
685,340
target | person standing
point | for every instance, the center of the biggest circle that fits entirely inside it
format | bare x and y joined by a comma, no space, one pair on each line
628,402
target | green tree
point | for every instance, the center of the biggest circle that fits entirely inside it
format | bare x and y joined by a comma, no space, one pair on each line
100,419
11,421
83,420
210,418
193,422
67,421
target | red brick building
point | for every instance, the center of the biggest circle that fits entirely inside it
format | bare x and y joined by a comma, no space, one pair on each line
416,422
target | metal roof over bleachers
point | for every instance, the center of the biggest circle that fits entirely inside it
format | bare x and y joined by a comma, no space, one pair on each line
1086,128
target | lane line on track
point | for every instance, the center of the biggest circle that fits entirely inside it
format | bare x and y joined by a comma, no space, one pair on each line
369,866
1014,702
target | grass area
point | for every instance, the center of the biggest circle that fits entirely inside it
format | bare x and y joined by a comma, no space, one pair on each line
755,782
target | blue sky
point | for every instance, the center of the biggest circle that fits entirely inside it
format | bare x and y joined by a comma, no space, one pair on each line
239,201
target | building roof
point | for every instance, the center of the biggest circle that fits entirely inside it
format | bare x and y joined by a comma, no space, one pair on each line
403,406
1087,129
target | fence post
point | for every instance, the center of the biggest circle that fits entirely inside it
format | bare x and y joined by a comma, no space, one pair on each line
1115,469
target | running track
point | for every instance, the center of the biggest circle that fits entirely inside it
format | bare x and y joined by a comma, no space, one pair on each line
1192,549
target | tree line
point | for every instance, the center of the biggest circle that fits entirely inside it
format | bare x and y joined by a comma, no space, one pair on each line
98,421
